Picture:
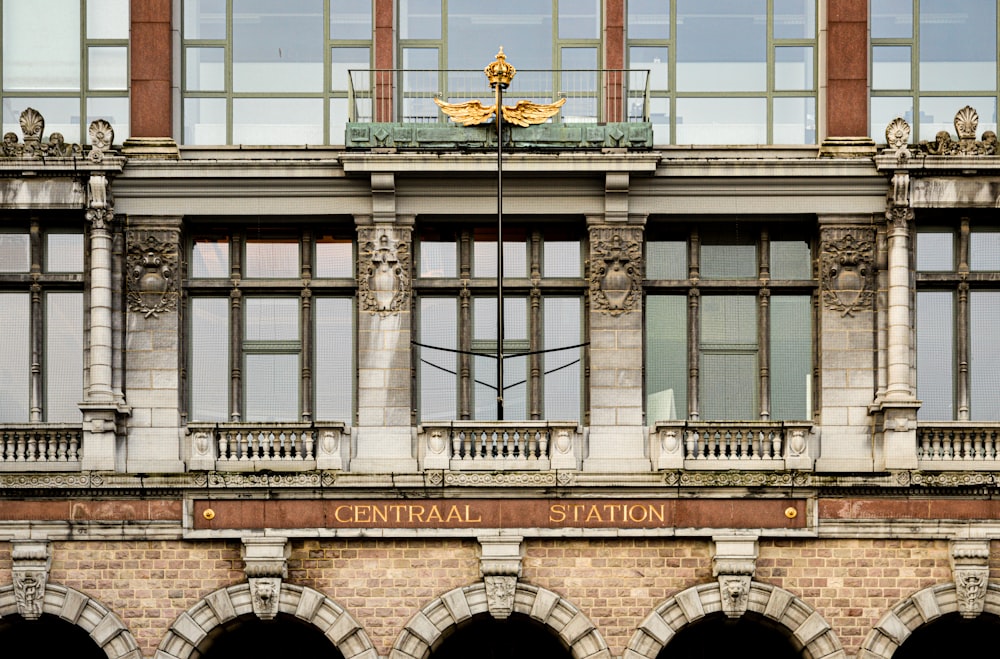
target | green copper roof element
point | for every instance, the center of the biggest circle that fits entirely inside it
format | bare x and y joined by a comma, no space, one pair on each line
632,135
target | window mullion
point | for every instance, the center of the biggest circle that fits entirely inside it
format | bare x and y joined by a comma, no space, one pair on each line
694,325
36,334
962,329
305,348
764,325
535,359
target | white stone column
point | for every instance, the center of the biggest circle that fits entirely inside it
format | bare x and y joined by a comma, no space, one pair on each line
899,322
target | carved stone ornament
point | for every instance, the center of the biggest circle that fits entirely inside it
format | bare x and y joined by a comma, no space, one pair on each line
734,564
384,274
31,563
735,589
99,207
36,147
966,123
266,565
500,595
500,564
847,271
615,271
971,573
151,277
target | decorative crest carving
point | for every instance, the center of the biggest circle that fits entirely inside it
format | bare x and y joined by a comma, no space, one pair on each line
615,271
500,591
500,564
151,280
734,564
35,146
966,123
970,570
102,135
384,274
266,564
31,563
847,273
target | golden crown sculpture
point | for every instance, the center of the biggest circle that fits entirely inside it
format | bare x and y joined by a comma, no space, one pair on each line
499,72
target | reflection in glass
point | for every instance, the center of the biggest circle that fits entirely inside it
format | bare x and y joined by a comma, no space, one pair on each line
484,254
333,376
791,357
562,368
648,19
579,19
891,19
653,58
728,372
342,60
107,67
438,368
278,121
210,258
115,110
271,383
984,355
484,337
205,70
62,115
721,121
935,250
33,63
666,358
107,19
272,318
721,45
728,253
579,72
666,259
793,67
15,367
334,257
419,19
63,357
937,113
790,259
935,359
204,19
794,120
561,258
794,19
63,252
473,26
351,19
272,258
891,67
15,252
438,258
958,45
277,48
209,363
205,121
885,109
984,250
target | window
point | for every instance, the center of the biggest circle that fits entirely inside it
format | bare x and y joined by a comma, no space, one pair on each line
271,326
554,44
262,72
957,313
727,71
68,59
41,302
543,324
740,295
929,57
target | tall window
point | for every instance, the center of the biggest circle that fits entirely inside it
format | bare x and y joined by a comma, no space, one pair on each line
271,326
68,59
727,71
543,324
929,58
41,304
540,37
728,323
264,72
958,311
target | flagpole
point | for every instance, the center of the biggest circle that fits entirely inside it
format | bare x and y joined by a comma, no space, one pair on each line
499,121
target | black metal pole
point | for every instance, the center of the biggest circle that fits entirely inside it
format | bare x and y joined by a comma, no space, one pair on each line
499,122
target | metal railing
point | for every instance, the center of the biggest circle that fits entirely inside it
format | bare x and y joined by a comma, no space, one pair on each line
406,95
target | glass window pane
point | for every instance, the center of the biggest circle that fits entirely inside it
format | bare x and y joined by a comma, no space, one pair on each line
579,19
721,121
561,258
938,113
484,336
334,257
648,19
277,121
666,259
891,67
892,19
272,319
579,73
728,372
63,357
484,254
333,379
653,58
63,252
728,252
791,357
666,358
793,67
115,110
62,115
205,70
271,383
958,45
562,369
791,259
721,45
277,47
438,368
419,19
935,359
210,258
51,63
15,252
272,258
794,19
350,19
204,19
107,68
984,250
984,355
209,362
794,121
659,115
473,26
935,250
885,109
438,256
205,121
339,115
15,359
107,19
343,60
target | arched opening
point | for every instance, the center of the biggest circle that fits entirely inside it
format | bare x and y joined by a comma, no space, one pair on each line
49,637
516,637
249,636
717,636
951,635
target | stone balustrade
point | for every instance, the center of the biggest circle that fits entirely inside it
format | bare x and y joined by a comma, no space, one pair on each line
757,445
265,446
499,445
958,445
40,447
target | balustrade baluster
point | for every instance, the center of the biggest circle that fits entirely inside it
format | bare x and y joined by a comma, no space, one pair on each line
776,448
61,448
744,441
73,452
543,444
32,447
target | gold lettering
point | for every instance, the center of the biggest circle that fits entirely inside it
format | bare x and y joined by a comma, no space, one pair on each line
656,512
362,513
594,515
454,515
336,514
380,514
435,514
641,517
398,509
416,513
577,507
611,508
469,517
557,513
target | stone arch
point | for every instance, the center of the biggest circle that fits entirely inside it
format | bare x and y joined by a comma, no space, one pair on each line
921,608
105,628
427,627
806,626
225,604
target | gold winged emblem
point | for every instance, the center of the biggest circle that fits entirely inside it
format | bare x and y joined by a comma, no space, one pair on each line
524,113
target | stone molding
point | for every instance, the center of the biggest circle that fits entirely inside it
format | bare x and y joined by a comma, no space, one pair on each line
104,627
383,270
32,560
734,564
266,565
847,270
615,269
689,606
966,122
32,123
970,568
500,564
226,604
425,629
152,272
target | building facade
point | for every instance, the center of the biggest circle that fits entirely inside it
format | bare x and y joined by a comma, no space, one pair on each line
739,294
